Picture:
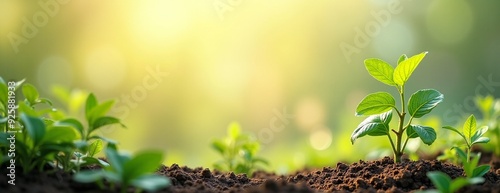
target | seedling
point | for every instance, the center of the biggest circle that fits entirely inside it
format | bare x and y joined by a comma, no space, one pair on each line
380,105
471,135
238,151
445,184
126,170
490,109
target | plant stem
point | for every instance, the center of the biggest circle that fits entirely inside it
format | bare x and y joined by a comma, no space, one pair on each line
399,152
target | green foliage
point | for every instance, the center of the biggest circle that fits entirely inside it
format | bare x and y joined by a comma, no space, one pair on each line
379,106
470,134
490,109
238,151
445,184
127,170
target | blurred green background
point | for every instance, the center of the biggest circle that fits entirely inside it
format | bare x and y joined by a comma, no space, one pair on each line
290,72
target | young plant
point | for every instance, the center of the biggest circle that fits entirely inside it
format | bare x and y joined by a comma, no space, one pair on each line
445,184
126,170
238,151
490,109
471,135
380,105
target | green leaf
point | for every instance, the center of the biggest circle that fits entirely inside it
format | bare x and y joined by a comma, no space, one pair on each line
423,101
375,103
100,110
380,70
72,123
31,94
426,134
90,104
88,176
142,163
470,127
476,180
234,130
151,183
4,93
441,180
116,160
34,127
58,134
103,121
481,170
404,70
458,183
402,58
478,136
375,125
461,154
95,147
220,146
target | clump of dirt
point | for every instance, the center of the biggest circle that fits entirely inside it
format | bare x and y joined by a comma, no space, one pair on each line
373,176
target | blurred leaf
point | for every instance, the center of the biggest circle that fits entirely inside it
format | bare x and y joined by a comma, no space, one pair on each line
57,134
440,180
3,94
116,160
103,121
234,130
481,170
88,176
404,70
31,94
402,58
100,110
90,104
34,127
73,123
142,163
220,146
151,183
380,70
423,101
375,103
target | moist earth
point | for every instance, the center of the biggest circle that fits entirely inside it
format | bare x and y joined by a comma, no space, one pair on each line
370,176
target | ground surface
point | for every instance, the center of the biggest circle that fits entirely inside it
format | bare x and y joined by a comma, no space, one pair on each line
374,176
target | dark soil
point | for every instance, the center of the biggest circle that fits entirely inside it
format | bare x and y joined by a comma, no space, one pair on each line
374,176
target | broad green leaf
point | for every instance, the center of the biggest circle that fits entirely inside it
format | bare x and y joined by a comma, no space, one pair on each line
45,100
458,183
470,127
481,170
90,103
142,163
402,58
103,121
88,176
31,94
57,134
95,147
423,101
461,154
375,103
116,160
375,125
426,134
34,127
151,183
404,70
100,110
73,123
380,70
478,136
476,180
441,180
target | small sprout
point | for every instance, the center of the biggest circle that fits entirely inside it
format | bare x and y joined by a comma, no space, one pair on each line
379,106
238,151
126,170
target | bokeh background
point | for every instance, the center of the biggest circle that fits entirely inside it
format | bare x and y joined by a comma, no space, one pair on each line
181,71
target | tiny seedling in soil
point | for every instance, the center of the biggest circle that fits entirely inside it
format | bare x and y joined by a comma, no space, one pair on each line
379,106
471,135
126,170
238,151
